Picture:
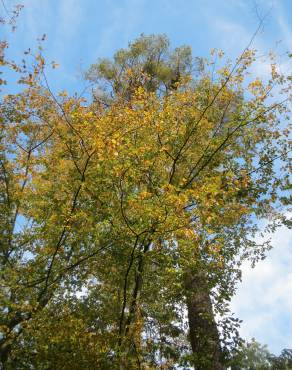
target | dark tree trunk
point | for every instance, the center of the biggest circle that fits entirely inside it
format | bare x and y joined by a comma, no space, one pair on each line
203,332
131,347
5,349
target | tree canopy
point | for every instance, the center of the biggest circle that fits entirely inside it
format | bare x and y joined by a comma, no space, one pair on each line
125,216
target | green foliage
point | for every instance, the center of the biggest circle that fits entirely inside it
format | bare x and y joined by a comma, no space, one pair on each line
148,62
254,356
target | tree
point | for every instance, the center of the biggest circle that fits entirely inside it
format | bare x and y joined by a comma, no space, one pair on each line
143,197
254,356
147,63
199,280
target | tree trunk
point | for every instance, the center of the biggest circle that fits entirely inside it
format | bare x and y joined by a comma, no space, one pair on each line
5,349
203,332
128,338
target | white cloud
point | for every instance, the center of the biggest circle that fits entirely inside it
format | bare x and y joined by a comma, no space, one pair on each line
264,298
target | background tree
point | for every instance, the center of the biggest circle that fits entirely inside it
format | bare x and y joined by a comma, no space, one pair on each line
148,62
254,356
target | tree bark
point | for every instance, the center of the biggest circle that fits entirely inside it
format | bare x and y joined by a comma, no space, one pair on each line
128,339
5,349
203,332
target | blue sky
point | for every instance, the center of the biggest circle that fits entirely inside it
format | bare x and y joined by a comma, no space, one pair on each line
80,31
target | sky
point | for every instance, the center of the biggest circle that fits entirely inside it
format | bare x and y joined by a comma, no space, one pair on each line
81,31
